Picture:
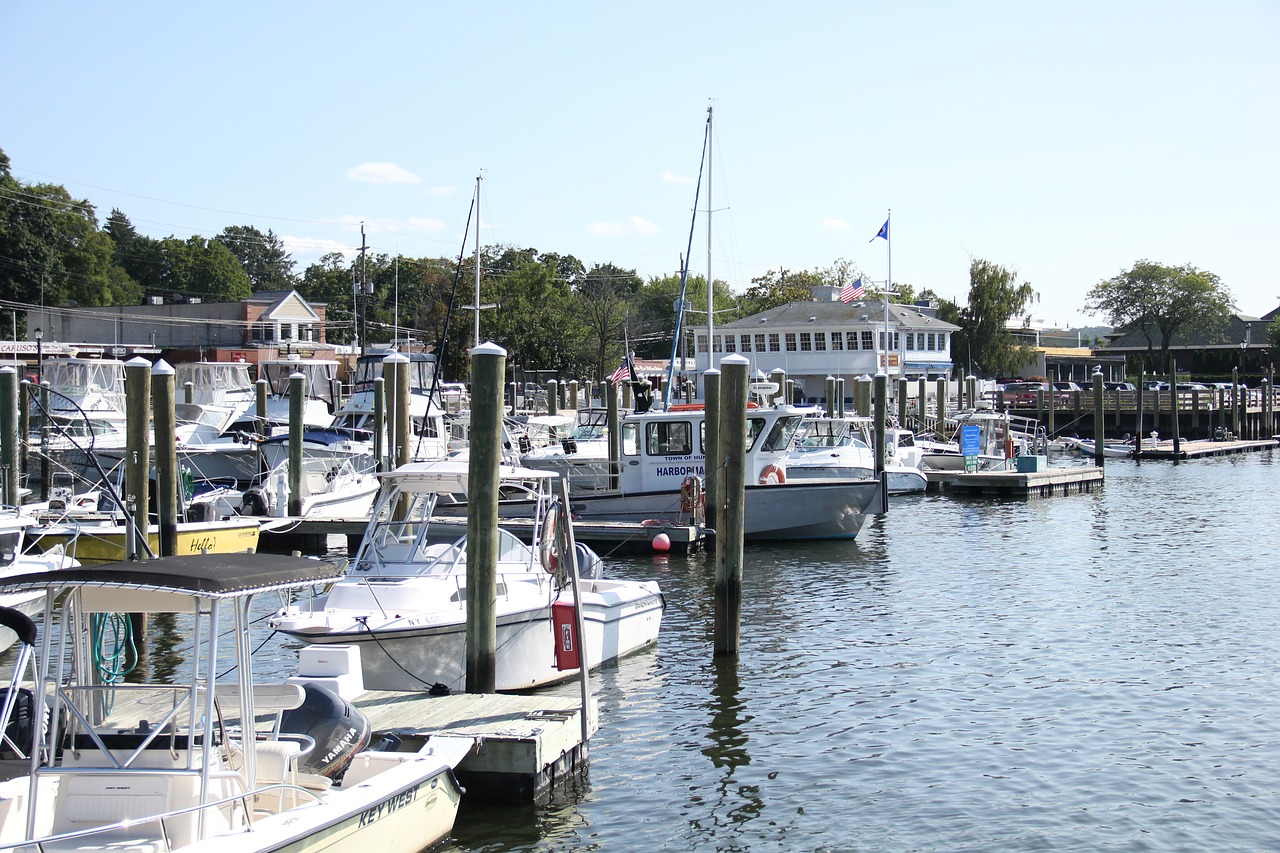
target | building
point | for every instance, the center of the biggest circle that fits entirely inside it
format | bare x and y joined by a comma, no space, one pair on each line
267,325
827,337
1204,354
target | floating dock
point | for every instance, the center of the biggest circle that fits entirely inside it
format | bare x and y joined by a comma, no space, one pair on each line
605,537
1027,484
524,742
1199,449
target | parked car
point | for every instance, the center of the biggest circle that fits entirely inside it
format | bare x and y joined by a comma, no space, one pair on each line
1192,386
1152,385
1119,386
1066,387
1023,393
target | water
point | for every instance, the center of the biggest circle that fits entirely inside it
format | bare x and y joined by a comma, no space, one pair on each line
1088,672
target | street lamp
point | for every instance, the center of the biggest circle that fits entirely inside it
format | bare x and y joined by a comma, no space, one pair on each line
39,333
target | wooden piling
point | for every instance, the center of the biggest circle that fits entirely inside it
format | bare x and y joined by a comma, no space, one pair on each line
45,467
903,401
403,414
553,397
840,397
9,456
573,395
862,396
922,394
488,371
1099,425
379,423
613,428
24,430
1173,405
297,396
188,392
940,392
263,392
731,475
711,442
789,395
881,415
1142,393
166,448
137,395
829,404
779,375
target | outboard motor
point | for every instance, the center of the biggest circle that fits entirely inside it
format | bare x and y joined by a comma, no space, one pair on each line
590,566
339,729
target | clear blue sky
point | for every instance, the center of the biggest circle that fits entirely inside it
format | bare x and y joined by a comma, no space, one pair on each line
1064,140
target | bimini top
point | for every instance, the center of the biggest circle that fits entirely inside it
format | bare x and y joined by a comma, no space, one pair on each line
197,575
449,476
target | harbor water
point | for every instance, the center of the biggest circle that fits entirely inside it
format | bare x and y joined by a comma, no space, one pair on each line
1086,672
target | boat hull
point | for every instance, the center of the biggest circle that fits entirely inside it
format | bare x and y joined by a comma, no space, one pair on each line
94,545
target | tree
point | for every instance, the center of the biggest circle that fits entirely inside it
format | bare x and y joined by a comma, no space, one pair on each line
263,257
603,296
779,288
983,342
1158,301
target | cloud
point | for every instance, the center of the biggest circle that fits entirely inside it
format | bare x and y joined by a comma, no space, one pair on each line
635,225
836,224
673,178
308,250
382,173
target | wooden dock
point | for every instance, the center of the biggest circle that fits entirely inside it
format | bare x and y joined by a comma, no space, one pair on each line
604,537
1198,449
1029,484
524,742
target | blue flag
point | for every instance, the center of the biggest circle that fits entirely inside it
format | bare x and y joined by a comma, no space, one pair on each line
883,232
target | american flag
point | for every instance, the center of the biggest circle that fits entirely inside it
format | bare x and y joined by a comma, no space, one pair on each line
850,292
621,373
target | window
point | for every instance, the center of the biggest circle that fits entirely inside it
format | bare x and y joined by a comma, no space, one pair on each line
630,446
931,342
820,341
730,343
868,340
806,342
837,340
773,342
702,343
669,438
716,343
760,343
851,340
942,342
791,341
746,343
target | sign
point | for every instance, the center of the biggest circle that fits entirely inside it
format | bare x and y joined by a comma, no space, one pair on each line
893,360
969,440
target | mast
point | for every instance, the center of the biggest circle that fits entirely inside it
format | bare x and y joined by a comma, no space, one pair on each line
711,307
476,304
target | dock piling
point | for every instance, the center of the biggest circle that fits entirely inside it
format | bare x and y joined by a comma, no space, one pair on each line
730,464
9,434
488,370
137,395
166,446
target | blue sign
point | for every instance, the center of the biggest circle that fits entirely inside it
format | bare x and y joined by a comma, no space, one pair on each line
969,443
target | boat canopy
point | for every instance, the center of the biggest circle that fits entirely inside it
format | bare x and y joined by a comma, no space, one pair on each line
449,476
179,581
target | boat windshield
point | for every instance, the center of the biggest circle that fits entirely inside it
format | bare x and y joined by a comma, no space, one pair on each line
779,438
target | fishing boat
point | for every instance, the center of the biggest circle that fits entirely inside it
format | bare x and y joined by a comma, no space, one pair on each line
199,762
14,559
843,448
404,599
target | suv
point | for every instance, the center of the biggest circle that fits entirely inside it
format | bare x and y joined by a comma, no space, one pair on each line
1023,393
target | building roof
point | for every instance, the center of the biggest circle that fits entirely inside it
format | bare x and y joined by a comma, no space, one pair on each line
1239,329
869,312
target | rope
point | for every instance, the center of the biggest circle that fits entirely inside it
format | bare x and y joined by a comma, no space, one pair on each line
113,647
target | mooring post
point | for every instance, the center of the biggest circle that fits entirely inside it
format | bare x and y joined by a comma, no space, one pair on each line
1051,408
613,427
488,370
9,435
731,468
829,404
789,396
137,469
188,392
779,376
626,394
840,397
1142,393
166,445
1235,401
862,396
1173,405
379,423
903,402
940,397
882,457
263,392
711,443
45,467
922,395
553,397
1099,418
573,395
391,391
297,396
404,416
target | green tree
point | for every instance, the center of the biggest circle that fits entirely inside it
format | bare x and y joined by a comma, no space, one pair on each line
1273,337
983,343
779,288
603,297
329,281
262,256
1159,301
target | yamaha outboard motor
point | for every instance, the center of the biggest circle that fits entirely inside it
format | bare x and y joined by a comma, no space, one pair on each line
339,729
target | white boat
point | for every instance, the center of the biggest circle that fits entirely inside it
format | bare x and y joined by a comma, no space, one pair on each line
1116,449
996,447
663,453
320,375
582,457
404,599
430,433
331,488
15,525
179,765
843,448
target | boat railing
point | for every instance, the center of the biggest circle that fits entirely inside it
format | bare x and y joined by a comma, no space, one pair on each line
243,799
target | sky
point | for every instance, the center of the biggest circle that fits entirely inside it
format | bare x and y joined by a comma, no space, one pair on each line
1065,141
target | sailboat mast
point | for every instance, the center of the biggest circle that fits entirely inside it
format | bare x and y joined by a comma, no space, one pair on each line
711,307
476,337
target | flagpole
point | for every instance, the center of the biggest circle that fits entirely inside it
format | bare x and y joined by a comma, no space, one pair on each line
888,239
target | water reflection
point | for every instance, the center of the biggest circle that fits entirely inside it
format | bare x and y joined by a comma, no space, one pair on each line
734,803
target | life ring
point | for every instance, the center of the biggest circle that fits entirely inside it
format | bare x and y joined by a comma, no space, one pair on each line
772,475
691,494
548,552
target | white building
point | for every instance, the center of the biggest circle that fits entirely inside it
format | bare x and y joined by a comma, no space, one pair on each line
826,337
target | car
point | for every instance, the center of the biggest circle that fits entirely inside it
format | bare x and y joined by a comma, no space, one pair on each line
1119,386
1154,385
1191,386
1023,393
1066,387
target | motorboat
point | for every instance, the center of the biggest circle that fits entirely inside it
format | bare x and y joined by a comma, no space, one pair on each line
320,383
994,443
429,435
15,559
663,454
843,449
404,599
330,488
96,538
208,759
582,456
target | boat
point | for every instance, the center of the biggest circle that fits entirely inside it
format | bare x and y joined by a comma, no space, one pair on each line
96,538
200,762
430,433
996,443
663,456
403,601
843,448
331,488
14,559
582,457
320,375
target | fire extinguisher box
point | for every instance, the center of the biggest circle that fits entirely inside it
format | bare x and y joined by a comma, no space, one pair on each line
564,627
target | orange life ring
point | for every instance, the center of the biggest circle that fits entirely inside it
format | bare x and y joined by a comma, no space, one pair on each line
548,542
772,475
691,494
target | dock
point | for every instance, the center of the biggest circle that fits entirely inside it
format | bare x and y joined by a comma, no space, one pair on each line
1198,449
524,742
604,537
1025,484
